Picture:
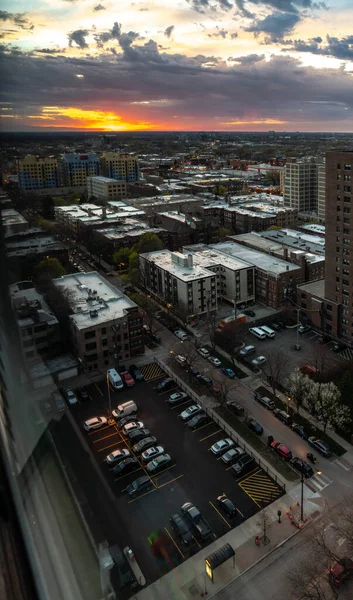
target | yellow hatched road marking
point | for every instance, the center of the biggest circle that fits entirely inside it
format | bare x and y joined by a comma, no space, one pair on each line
151,371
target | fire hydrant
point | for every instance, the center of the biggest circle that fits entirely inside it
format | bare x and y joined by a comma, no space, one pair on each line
257,541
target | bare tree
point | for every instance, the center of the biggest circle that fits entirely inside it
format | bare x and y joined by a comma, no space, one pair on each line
298,386
307,580
225,386
276,364
230,339
264,522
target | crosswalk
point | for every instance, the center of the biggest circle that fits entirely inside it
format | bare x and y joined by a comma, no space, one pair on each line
347,353
318,482
344,464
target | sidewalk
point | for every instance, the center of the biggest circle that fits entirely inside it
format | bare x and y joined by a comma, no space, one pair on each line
189,580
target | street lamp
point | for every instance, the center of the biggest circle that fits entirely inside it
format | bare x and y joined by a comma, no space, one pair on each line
109,399
289,399
302,495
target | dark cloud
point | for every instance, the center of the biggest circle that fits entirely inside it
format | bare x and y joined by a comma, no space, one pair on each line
50,50
99,7
275,26
168,32
233,36
341,48
250,59
125,39
282,5
203,89
18,19
78,37
202,6
222,33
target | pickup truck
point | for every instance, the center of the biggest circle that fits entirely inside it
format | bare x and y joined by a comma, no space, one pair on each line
196,520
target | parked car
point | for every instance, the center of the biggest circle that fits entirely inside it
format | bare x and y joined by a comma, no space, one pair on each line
300,430
198,420
137,435
126,466
152,453
95,423
258,361
143,444
117,456
203,352
132,426
322,447
177,398
245,464
267,402
308,369
254,426
158,464
232,455
281,450
235,407
249,313
204,380
304,329
228,372
181,335
141,484
198,522
340,571
181,528
247,350
222,446
276,326
227,506
282,416
181,360
127,379
125,420
71,397
84,395
194,372
338,347
302,466
214,361
165,384
190,412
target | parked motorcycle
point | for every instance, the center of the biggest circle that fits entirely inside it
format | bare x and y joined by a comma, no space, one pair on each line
311,457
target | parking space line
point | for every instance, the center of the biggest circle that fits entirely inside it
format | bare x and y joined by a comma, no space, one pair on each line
99,390
142,496
174,542
168,482
127,474
181,404
195,540
99,430
222,517
203,426
167,391
239,511
164,470
110,446
104,438
210,435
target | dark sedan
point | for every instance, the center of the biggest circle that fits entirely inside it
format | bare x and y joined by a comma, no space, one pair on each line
204,380
302,467
198,420
165,384
227,506
126,466
254,425
300,430
181,528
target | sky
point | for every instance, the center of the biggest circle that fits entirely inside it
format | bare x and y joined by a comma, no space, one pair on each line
172,65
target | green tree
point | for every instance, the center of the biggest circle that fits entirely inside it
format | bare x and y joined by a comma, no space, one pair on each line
149,242
220,190
74,198
222,233
46,225
121,257
47,208
133,261
51,267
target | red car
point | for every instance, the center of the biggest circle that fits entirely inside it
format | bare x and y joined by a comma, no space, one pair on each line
281,450
127,379
340,571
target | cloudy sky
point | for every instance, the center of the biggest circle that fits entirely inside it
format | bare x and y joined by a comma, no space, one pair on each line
116,65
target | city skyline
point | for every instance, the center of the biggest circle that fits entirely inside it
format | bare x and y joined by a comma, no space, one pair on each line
217,65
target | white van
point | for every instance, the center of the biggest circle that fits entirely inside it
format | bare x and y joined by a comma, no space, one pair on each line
257,332
114,379
124,410
267,331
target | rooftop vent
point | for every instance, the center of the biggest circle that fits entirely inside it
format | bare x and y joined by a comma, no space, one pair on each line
93,313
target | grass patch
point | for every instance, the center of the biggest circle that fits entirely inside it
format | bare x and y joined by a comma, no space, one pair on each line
227,363
309,427
253,440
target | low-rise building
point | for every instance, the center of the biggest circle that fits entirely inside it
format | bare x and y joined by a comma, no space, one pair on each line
25,250
184,229
104,188
125,234
317,310
185,203
106,326
13,222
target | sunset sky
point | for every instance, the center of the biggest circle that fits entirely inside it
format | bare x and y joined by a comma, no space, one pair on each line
218,65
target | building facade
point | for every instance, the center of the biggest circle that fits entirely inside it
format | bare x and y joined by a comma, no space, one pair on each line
321,191
301,184
36,173
104,188
75,168
106,326
339,239
119,166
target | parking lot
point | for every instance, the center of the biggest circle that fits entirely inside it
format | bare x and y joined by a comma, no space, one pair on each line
194,475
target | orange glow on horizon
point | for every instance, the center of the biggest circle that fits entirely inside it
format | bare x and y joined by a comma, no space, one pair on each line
78,118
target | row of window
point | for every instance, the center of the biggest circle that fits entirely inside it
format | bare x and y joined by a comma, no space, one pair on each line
345,167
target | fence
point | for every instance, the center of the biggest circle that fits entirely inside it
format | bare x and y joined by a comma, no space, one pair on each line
226,428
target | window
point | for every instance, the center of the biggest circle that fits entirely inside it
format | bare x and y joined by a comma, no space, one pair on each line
104,330
106,353
347,188
338,176
90,334
347,167
39,328
91,346
104,342
338,166
91,357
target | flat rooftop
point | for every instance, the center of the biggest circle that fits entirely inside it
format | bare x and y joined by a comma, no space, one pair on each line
93,299
12,217
163,259
103,179
297,239
315,228
91,213
260,260
137,228
316,287
32,245
24,298
211,258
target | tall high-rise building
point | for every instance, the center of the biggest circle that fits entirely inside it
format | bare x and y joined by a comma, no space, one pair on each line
75,168
123,167
36,173
339,238
321,191
301,184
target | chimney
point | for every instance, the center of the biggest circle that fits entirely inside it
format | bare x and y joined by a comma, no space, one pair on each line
285,250
104,212
190,261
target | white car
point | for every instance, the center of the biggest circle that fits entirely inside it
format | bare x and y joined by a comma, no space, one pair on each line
152,453
181,335
215,361
204,352
132,427
181,360
232,455
177,397
222,446
116,456
190,412
95,423
71,397
258,361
